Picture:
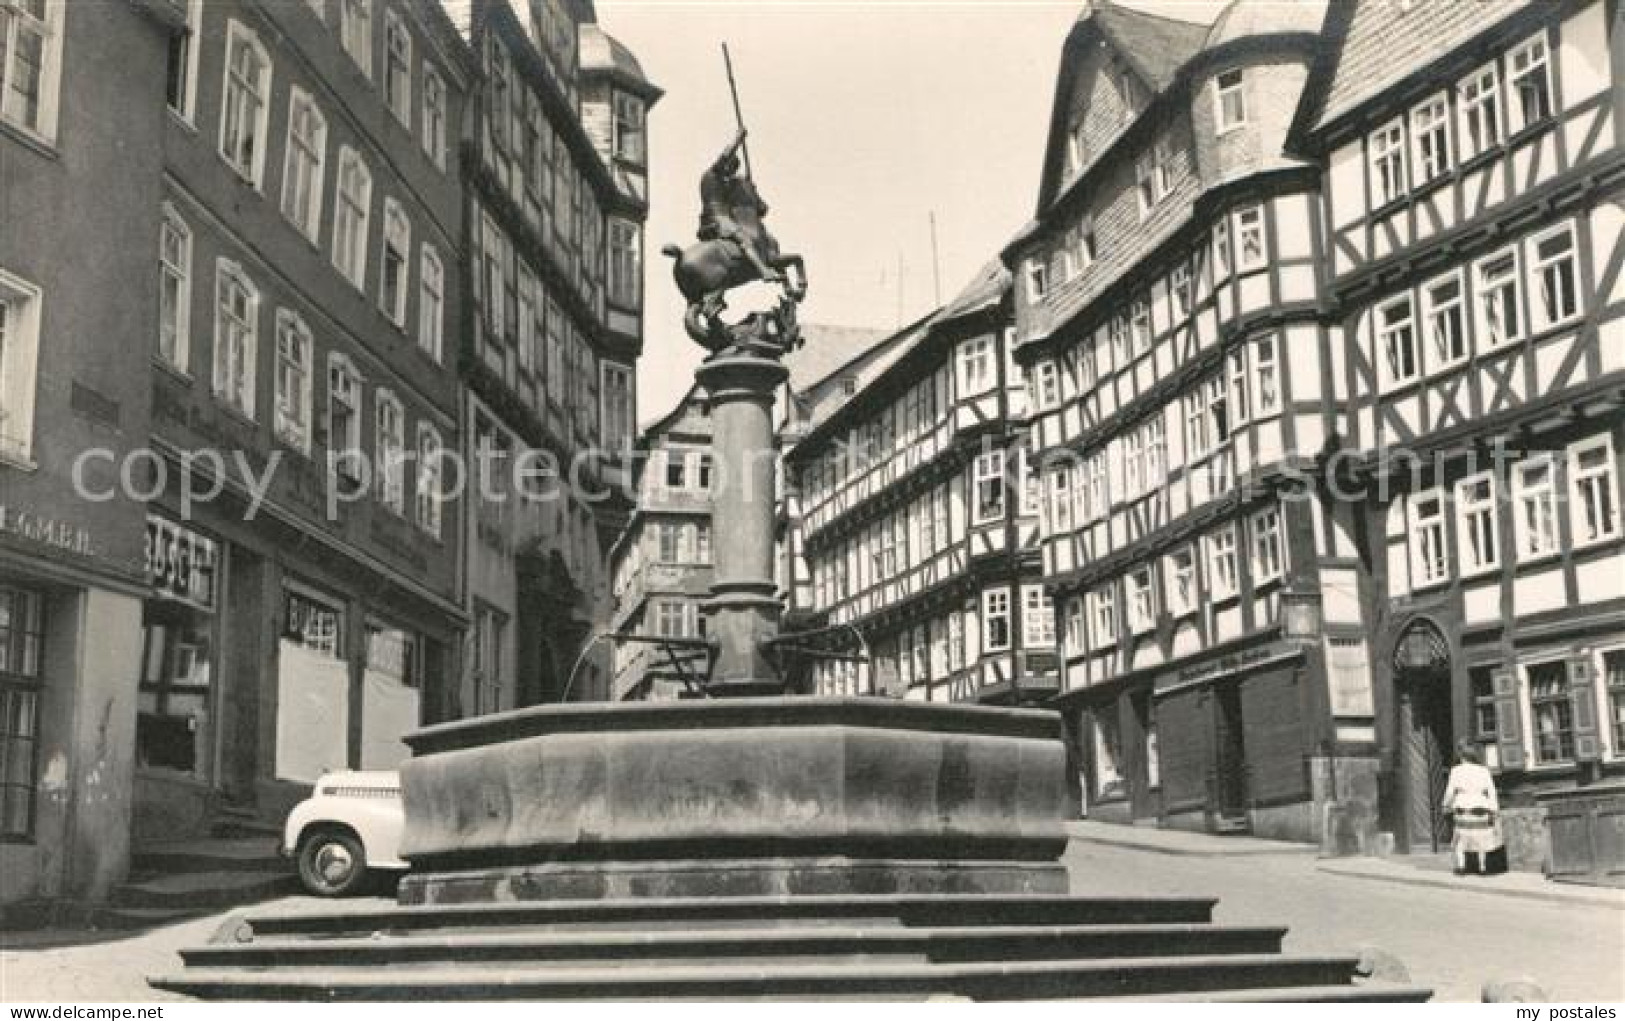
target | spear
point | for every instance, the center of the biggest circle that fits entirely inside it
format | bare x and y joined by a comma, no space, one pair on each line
739,118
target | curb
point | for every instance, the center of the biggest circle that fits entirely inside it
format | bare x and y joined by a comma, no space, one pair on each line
1556,894
1244,851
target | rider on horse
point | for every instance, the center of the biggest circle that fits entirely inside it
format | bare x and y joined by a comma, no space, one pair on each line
731,208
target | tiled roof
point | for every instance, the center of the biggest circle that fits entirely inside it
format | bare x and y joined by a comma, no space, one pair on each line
1385,42
826,350
1157,46
1245,19
602,52
986,288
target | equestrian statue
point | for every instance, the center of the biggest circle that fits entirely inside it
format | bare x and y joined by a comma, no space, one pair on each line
735,249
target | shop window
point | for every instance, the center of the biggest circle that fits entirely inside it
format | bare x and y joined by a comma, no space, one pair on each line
177,664
1348,666
22,639
390,705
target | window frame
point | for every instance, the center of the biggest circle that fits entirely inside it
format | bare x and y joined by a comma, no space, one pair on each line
179,357
291,419
1140,591
1103,629
259,94
355,33
1518,119
1267,549
1386,163
355,212
1223,569
1431,145
1435,361
50,30
1180,577
1608,471
242,359
1385,333
1540,314
429,496
1223,118
19,367
431,302
1482,292
996,605
396,241
397,61
1245,263
1469,112
1418,541
188,37
314,150
1545,494
353,398
1467,537
434,129
988,469
389,450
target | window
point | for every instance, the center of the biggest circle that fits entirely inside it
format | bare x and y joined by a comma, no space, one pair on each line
1613,674
1595,506
1230,102
1430,560
989,488
668,536
1087,251
1557,296
1179,570
629,145
1037,279
1037,618
430,492
1479,107
618,404
343,415
702,474
355,32
1442,315
1497,286
1108,753
1060,499
302,176
1179,289
1430,137
1387,156
1196,435
1118,332
1529,81
1142,600
19,352
390,452
395,263
434,116
1551,711
236,337
1250,238
1103,617
1046,384
975,366
1077,149
702,543
1140,324
1266,533
431,302
350,218
1266,377
995,620
1221,248
676,469
246,104
1482,682
486,654
397,67
293,369
180,85
1146,174
1396,342
1534,497
22,642
30,63
174,289
625,263
1221,562
1074,626
1476,532
1237,362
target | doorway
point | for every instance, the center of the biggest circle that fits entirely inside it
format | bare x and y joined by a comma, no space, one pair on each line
1426,735
1230,765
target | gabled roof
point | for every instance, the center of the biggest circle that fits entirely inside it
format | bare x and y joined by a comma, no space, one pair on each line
1156,48
826,351
1385,43
601,53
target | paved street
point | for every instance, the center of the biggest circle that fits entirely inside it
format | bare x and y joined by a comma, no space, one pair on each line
1451,939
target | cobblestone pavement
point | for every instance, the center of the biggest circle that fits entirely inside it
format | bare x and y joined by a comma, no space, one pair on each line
1452,940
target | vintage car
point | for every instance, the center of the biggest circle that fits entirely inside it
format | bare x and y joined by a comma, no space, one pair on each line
349,826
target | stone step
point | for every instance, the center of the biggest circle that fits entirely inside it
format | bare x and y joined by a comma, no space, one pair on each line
253,854
971,910
1004,980
782,945
203,891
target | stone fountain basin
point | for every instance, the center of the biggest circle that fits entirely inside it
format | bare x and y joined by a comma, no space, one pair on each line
739,796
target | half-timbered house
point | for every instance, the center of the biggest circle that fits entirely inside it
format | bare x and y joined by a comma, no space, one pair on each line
1473,201
912,534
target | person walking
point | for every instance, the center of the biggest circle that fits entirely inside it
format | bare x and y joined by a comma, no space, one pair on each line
1475,810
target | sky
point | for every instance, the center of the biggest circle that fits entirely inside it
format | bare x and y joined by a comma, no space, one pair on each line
866,120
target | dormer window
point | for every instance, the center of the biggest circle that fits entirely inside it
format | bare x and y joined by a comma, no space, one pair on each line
1230,102
1037,280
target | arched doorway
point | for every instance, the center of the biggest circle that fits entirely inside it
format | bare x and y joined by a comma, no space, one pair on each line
1425,733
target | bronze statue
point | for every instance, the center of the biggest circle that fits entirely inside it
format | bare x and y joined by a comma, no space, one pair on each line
734,249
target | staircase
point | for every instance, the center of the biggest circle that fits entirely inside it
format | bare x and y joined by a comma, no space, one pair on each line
1023,947
175,881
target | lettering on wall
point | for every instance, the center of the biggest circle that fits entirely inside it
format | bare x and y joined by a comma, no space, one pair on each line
53,532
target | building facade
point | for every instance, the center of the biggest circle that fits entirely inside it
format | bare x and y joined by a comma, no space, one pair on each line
1304,294
80,213
912,531
555,158
309,232
661,564
1473,196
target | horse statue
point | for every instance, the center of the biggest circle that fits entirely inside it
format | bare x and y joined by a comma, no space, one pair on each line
734,249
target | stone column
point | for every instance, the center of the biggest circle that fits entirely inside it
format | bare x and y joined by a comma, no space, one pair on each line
743,609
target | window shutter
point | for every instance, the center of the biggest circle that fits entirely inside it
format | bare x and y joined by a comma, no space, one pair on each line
1508,717
1583,700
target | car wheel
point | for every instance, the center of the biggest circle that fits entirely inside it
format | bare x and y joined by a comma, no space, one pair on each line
331,863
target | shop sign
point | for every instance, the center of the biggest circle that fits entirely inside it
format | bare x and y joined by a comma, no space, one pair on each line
52,532
181,564
1234,663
